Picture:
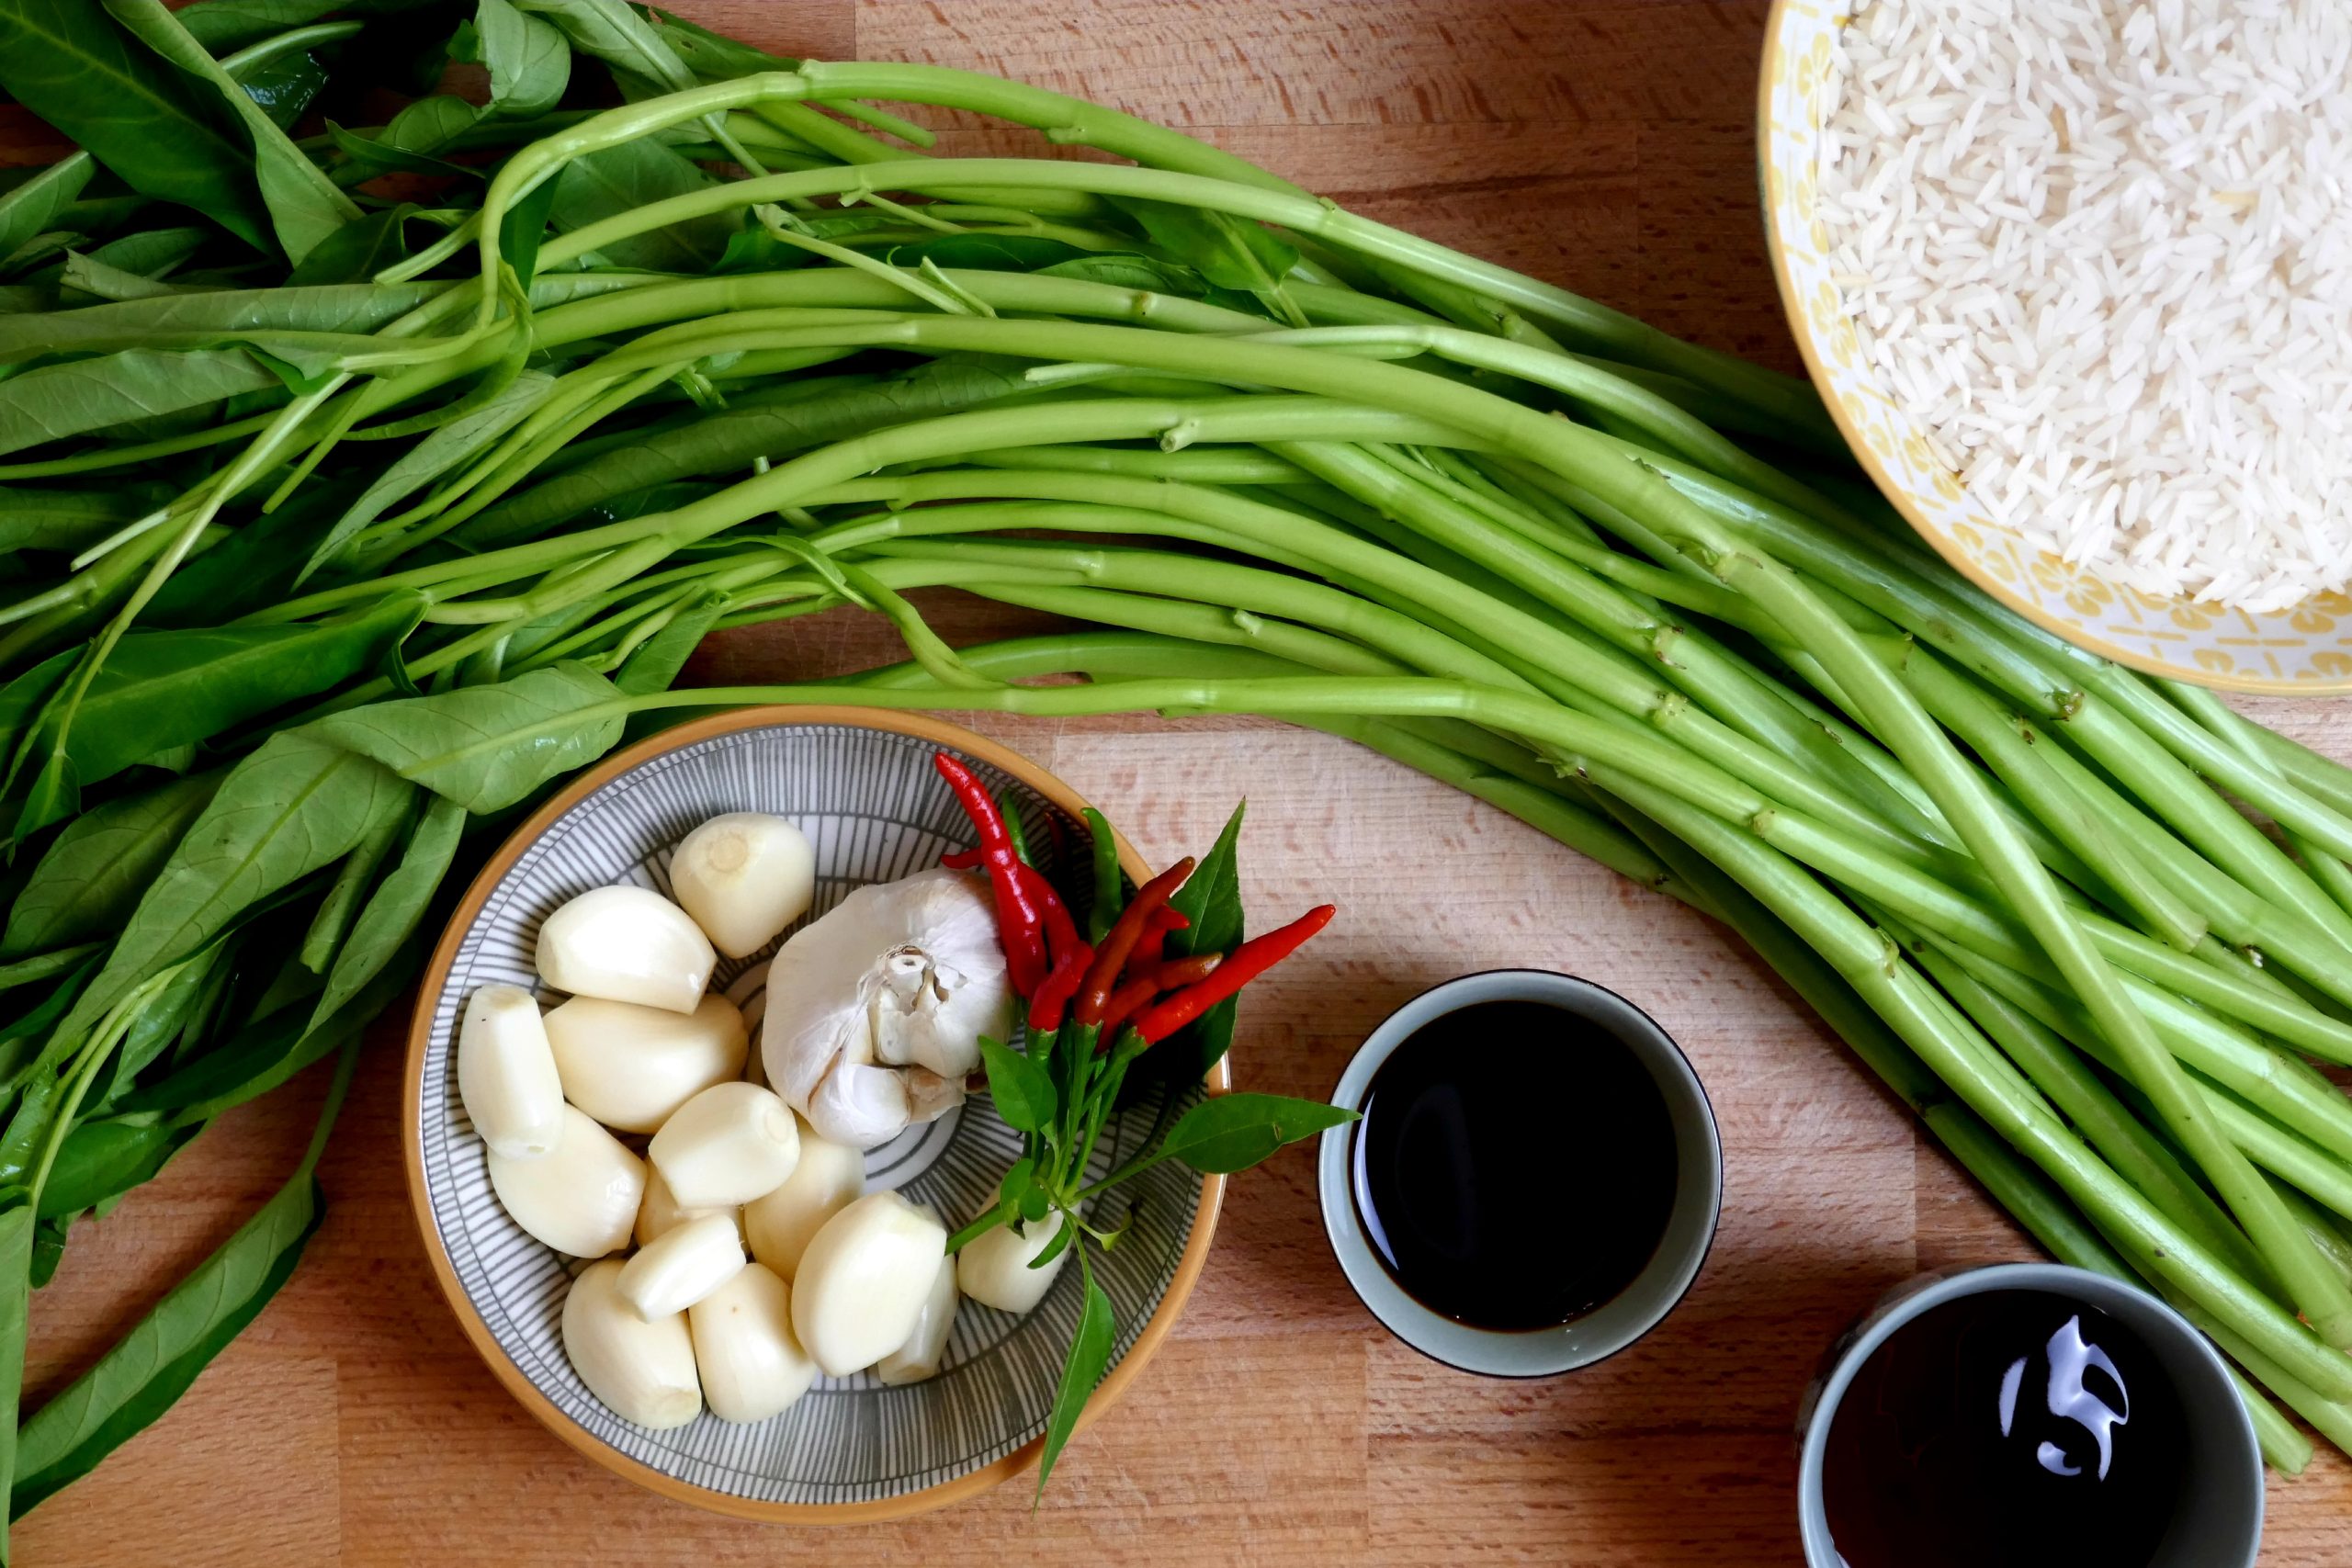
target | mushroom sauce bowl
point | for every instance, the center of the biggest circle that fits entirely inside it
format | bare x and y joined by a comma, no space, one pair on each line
860,784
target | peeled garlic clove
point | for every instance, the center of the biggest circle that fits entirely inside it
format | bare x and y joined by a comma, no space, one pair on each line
728,1145
631,1067
865,1279
643,1371
581,1199
506,1075
743,878
828,1177
627,944
682,1267
926,1346
659,1214
751,1363
859,1105
993,1269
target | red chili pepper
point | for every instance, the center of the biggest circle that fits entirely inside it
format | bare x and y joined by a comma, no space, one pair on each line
1155,936
961,860
1141,985
1061,931
1243,964
1054,993
1019,925
1121,939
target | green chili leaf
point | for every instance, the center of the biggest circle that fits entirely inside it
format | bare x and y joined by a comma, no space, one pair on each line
54,402
1090,1357
298,803
1211,899
487,747
1024,1094
91,878
29,207
442,450
143,1374
71,65
1233,1132
396,908
529,62
305,207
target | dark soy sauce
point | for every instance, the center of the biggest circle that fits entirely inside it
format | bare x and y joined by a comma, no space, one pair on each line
2015,1428
1515,1166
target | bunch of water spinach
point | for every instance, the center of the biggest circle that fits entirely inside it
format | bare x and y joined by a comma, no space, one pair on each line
359,480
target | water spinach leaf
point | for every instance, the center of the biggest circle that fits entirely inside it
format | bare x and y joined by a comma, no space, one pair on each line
298,803
54,402
91,877
69,62
305,207
623,179
103,1159
486,747
352,883
148,1369
395,910
528,58
30,209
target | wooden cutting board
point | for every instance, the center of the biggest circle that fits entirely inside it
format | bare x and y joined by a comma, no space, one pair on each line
1603,146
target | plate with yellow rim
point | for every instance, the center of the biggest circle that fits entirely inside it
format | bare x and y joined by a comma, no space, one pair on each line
860,783
2303,649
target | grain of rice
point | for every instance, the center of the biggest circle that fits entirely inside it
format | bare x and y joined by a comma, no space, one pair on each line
2103,248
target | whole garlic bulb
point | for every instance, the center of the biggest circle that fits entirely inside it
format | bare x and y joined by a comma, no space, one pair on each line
875,1012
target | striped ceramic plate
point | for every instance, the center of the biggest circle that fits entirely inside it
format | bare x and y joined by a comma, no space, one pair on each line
860,783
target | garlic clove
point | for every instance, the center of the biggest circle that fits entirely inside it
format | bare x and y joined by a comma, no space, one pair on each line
506,1074
865,1279
683,1266
826,1179
743,878
992,1268
750,1360
643,1371
581,1199
926,1346
861,1106
728,1145
630,1067
659,1214
626,944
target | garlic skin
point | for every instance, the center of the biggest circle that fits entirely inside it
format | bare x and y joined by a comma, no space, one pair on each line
828,1178
683,1266
743,878
643,1371
728,1145
506,1074
626,944
750,1360
583,1198
630,1067
901,978
926,1346
993,1269
864,1281
659,1214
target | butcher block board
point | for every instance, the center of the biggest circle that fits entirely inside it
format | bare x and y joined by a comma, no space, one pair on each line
1603,146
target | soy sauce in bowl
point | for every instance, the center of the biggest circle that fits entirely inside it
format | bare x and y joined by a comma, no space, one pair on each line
1515,1166
2018,1428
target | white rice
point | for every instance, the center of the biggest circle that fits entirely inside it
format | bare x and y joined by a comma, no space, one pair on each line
2104,249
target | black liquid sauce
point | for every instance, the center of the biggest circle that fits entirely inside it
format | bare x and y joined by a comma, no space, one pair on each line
1515,1166
1978,1432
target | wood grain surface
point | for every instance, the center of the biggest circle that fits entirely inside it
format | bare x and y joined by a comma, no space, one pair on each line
1605,146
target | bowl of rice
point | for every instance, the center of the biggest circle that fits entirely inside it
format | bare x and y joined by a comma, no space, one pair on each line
2075,280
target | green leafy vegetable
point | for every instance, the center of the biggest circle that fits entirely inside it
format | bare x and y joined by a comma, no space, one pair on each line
529,59
54,402
1021,1089
487,747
